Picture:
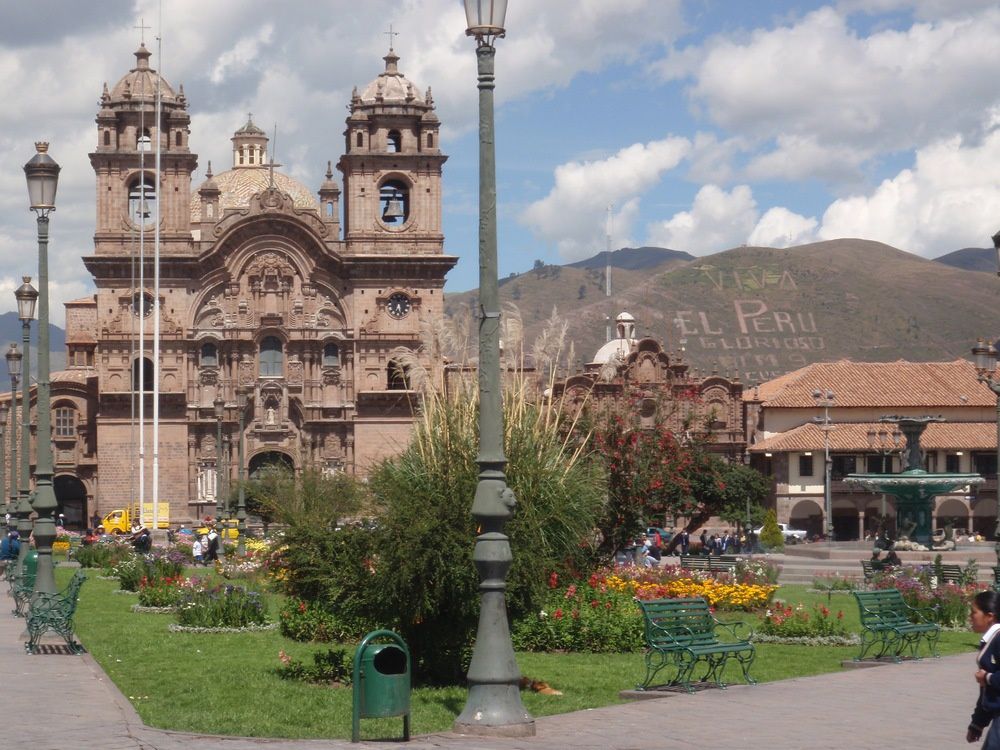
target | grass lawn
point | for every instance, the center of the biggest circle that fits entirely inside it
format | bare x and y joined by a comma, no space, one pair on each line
226,684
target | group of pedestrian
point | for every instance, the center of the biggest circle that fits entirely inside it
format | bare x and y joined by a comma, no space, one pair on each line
10,547
724,543
205,548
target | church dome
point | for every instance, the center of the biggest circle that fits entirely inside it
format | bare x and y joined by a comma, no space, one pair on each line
139,84
251,174
391,86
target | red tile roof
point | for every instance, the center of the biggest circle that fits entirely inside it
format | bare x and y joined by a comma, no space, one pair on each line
878,384
854,437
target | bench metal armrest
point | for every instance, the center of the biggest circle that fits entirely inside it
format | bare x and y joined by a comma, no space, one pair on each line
669,632
921,612
732,627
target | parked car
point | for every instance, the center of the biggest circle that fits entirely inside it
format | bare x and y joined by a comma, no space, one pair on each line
792,536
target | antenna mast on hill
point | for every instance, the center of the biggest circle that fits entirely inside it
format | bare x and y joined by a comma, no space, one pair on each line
607,268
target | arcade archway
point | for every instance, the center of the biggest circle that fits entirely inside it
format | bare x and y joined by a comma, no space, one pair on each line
268,459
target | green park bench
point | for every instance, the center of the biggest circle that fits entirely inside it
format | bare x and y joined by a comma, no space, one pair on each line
713,563
948,573
892,625
680,634
55,612
996,579
23,583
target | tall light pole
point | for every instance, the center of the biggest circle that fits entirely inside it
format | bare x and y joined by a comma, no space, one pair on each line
884,444
42,174
493,706
824,398
241,507
220,412
22,511
7,509
985,356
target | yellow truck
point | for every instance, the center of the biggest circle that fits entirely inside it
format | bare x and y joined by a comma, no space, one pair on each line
121,520
227,529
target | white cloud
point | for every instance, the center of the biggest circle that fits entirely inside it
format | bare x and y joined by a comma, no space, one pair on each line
779,227
801,157
926,9
242,54
947,201
572,215
717,221
819,79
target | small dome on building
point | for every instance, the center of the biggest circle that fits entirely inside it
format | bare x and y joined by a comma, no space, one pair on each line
390,87
251,174
139,84
620,346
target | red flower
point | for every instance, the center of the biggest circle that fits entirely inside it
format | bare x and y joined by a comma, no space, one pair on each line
302,606
595,603
571,591
553,580
558,614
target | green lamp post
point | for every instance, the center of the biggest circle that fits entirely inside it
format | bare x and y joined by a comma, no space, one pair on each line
493,706
42,174
220,411
21,511
26,297
241,505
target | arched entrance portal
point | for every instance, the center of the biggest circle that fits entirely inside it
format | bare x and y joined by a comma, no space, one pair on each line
71,496
808,516
268,459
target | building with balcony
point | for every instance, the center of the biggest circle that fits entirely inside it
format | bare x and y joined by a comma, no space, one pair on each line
789,435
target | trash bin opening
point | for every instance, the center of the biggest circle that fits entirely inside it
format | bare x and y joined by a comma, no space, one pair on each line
390,660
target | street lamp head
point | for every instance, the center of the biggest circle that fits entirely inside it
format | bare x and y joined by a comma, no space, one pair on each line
241,398
220,407
42,174
26,296
485,20
14,361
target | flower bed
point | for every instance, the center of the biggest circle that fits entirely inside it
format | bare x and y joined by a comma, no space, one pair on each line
165,592
947,604
221,607
600,614
788,622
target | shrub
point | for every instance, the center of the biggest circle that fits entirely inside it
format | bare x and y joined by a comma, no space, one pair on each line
946,604
833,582
798,622
103,555
221,607
164,592
330,667
312,622
771,537
585,617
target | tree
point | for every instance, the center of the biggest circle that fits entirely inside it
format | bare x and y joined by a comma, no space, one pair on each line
743,487
771,537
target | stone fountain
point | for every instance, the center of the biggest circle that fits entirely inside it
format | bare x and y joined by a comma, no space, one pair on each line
913,488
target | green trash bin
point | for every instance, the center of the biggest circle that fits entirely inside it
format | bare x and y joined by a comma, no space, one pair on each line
381,681
30,566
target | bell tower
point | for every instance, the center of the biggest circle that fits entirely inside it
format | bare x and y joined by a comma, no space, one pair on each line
124,163
392,168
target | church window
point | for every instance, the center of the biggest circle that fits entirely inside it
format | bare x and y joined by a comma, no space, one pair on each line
241,156
107,137
331,355
399,376
251,152
395,142
271,357
360,141
147,374
209,355
329,208
142,200
430,140
65,421
394,197
143,141
177,138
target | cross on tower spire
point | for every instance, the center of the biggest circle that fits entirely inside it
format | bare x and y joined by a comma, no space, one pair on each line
390,33
142,30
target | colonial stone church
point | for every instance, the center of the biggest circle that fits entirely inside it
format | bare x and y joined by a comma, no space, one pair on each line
310,301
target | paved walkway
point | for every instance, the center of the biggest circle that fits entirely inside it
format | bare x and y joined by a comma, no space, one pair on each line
56,702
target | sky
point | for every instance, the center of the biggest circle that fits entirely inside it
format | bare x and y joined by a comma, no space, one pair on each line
697,125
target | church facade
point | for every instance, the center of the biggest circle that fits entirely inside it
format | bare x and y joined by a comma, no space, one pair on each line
308,304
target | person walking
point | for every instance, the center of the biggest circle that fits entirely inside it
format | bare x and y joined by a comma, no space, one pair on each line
196,552
985,619
10,547
685,541
213,546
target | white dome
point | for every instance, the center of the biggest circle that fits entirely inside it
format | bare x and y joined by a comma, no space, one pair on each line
614,349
